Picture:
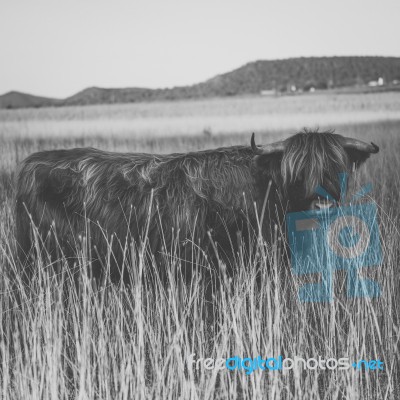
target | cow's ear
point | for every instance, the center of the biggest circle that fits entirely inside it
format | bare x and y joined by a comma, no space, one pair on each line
357,150
357,157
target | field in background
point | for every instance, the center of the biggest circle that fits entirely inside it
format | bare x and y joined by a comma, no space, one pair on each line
133,342
218,116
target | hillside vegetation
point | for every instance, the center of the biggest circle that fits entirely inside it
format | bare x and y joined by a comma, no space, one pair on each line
264,75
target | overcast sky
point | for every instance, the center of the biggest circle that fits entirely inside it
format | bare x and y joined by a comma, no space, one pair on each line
56,48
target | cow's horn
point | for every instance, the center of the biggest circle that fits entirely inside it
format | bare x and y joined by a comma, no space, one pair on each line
359,145
277,147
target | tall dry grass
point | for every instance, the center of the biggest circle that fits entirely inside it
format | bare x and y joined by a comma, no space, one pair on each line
63,338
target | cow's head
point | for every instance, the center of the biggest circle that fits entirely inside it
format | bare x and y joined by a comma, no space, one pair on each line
306,160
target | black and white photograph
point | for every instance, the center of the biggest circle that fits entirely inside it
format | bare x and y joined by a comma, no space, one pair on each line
199,200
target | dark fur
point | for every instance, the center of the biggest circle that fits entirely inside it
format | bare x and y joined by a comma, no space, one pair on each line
191,194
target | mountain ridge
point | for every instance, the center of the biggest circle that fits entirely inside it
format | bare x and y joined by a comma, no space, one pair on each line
267,76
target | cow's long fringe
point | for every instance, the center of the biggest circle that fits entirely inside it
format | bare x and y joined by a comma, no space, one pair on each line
314,159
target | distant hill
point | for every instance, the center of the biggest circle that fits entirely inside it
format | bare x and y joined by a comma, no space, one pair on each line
95,95
24,100
252,78
317,72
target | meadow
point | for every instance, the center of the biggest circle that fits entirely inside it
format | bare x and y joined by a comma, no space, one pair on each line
189,118
125,342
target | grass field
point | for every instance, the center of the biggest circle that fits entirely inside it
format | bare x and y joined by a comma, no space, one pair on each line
134,342
184,118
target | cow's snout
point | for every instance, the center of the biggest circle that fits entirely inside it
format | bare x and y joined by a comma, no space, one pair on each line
321,204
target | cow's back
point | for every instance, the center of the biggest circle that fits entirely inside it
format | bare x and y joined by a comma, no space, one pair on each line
125,195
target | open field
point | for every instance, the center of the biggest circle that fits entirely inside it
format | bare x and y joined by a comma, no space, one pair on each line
219,116
134,342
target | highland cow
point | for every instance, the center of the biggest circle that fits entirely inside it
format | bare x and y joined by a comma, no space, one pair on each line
121,198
